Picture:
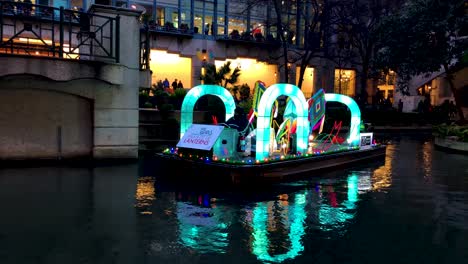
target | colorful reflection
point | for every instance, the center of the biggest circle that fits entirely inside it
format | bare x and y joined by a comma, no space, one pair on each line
287,217
382,176
277,228
145,194
203,226
333,215
294,219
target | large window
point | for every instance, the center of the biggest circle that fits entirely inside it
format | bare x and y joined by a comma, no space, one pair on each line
204,11
308,81
345,82
238,14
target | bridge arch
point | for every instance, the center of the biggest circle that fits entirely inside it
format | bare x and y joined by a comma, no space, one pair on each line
264,114
186,115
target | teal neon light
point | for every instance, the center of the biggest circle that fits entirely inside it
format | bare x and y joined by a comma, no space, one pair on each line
334,217
354,132
204,229
264,115
261,243
186,115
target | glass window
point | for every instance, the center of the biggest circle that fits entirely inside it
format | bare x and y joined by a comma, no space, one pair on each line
221,22
307,82
160,17
204,11
237,26
345,81
238,12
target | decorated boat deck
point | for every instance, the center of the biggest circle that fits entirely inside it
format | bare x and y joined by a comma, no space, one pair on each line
257,147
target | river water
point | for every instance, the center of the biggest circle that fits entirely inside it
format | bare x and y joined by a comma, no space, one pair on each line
410,208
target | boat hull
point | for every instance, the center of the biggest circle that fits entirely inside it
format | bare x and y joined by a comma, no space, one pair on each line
291,169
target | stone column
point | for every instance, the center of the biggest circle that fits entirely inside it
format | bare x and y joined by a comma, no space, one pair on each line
116,108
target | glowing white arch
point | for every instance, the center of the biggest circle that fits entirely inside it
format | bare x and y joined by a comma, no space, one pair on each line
191,98
354,132
264,114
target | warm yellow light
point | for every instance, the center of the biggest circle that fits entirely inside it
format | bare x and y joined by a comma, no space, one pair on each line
252,71
170,66
35,41
307,82
145,193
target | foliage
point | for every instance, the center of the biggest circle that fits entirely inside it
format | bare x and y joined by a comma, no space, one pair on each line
244,92
177,98
246,104
240,92
223,76
358,38
143,99
423,36
459,133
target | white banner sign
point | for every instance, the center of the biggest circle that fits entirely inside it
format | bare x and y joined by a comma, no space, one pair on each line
366,140
200,136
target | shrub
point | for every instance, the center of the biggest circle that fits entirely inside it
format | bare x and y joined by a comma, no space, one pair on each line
459,133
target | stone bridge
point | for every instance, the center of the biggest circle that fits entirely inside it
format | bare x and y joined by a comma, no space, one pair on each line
54,107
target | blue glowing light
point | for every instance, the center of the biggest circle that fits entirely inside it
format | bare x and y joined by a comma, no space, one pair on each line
191,98
354,132
264,114
261,243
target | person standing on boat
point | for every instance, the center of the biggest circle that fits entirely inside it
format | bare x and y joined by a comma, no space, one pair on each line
239,120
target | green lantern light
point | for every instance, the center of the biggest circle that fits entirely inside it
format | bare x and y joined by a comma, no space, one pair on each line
191,98
264,114
354,133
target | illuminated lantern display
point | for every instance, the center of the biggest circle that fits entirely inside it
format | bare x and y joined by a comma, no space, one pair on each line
301,117
316,110
264,117
354,132
191,98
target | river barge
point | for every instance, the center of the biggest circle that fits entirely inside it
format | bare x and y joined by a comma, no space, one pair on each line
297,147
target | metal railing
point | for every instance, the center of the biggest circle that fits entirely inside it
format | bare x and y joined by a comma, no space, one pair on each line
38,30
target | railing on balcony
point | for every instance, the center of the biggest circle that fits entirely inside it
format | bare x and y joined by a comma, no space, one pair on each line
250,39
38,30
170,30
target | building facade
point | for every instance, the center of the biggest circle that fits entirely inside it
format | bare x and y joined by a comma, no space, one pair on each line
186,34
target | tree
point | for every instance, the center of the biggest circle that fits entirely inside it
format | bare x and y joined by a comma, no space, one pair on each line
222,76
300,26
357,33
427,36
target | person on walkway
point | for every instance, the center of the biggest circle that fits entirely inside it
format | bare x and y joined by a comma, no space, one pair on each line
400,106
174,84
180,85
166,84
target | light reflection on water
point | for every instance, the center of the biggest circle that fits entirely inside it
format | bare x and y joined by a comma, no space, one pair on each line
411,208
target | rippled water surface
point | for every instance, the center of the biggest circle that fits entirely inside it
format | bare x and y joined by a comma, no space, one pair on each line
411,208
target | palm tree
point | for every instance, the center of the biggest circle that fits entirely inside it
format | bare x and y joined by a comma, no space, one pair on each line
221,76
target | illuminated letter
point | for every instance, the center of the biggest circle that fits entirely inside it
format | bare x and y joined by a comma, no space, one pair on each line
264,112
354,132
186,115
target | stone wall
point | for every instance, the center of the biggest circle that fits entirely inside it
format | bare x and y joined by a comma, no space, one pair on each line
32,127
